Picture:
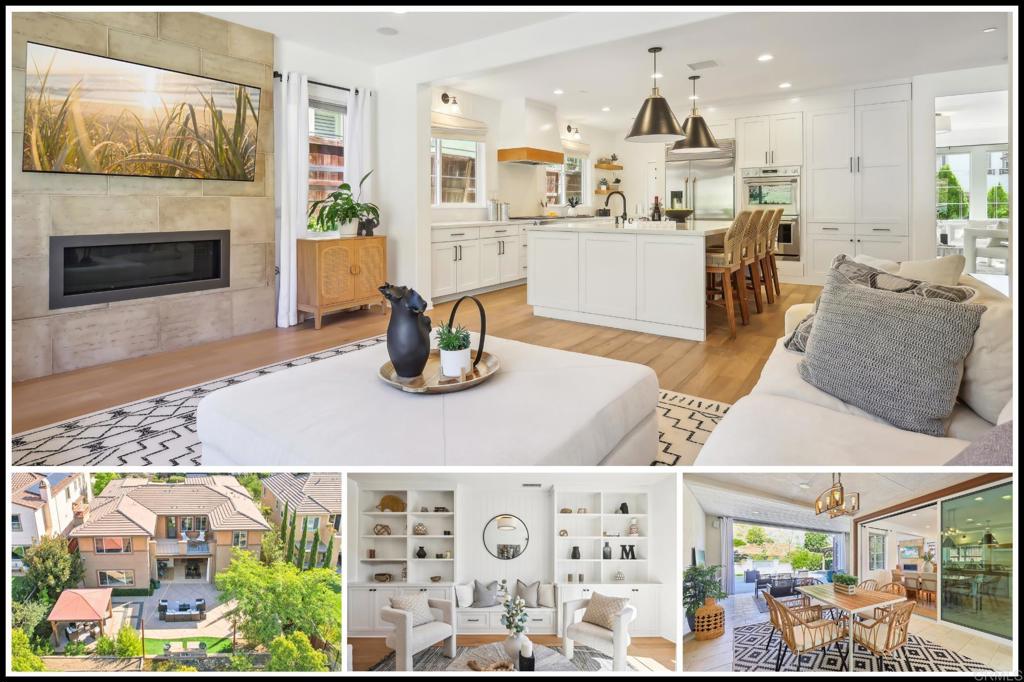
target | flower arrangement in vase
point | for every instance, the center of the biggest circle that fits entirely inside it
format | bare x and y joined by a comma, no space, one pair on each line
513,619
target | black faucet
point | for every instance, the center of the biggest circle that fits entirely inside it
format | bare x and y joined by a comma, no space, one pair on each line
609,198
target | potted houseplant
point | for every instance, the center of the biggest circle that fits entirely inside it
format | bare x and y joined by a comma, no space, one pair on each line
700,582
573,203
341,207
844,583
454,347
514,620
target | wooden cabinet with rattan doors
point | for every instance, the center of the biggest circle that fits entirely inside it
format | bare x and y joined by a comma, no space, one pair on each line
340,274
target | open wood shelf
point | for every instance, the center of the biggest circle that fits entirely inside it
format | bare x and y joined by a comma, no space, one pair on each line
608,166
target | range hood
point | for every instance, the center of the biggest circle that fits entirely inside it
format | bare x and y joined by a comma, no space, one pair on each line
529,133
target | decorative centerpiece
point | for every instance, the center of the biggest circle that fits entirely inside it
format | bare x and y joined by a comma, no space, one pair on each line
844,583
435,578
453,343
391,503
514,621
408,331
634,528
619,576
383,577
340,208
527,663
927,561
700,583
381,529
573,203
421,553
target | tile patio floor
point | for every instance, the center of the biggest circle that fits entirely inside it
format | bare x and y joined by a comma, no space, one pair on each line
215,625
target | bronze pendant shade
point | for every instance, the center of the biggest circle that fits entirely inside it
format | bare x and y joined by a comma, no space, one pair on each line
655,121
698,135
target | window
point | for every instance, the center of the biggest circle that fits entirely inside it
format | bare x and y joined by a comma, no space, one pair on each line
997,203
335,521
16,523
187,524
952,183
326,148
116,578
455,172
112,545
876,552
240,538
200,522
311,523
565,181
172,527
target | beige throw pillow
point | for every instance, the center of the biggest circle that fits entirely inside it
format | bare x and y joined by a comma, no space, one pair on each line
601,610
528,593
987,384
417,605
945,270
546,595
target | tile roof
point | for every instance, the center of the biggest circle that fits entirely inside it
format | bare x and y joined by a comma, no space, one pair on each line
25,487
86,604
315,493
130,506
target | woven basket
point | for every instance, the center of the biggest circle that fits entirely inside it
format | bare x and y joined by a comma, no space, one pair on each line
709,621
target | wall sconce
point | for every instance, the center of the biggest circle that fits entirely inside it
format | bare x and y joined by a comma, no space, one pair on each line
574,133
452,102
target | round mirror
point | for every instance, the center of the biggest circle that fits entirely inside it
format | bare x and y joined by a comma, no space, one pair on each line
506,536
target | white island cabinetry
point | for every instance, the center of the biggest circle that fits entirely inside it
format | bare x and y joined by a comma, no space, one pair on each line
648,279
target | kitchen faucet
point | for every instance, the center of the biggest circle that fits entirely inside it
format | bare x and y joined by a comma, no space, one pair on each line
609,198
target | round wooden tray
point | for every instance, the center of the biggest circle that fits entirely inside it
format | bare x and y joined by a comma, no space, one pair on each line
432,381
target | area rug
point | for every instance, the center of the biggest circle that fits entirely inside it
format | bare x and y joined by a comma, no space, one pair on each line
749,655
161,430
433,659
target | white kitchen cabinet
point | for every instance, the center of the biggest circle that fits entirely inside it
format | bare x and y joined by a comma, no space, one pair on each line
468,275
443,268
360,609
608,274
822,249
886,248
829,174
523,257
554,270
660,279
490,262
509,267
474,256
882,163
825,247
775,140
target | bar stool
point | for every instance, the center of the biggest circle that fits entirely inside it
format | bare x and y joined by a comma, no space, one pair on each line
756,230
728,263
772,245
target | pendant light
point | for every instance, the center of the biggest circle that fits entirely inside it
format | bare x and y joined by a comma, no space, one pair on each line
988,538
836,501
698,135
655,121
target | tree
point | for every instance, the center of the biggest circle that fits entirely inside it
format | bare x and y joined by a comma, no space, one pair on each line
23,659
106,646
817,542
757,536
738,542
127,644
100,479
290,547
294,653
301,561
284,522
272,548
952,200
998,202
28,616
240,663
802,559
329,552
280,599
253,483
74,649
51,567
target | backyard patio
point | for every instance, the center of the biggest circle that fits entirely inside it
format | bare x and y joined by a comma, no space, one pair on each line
215,625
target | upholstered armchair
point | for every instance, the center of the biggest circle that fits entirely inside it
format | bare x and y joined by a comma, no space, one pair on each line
886,634
614,642
407,640
800,634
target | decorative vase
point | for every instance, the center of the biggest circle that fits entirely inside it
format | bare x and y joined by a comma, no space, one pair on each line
366,227
421,553
512,644
580,576
709,620
408,331
607,551
620,577
634,528
454,363
623,508
420,529
575,553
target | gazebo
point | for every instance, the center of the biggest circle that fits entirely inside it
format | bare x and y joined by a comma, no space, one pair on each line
79,614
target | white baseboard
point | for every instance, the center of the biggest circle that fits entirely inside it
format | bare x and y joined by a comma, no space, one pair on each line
674,331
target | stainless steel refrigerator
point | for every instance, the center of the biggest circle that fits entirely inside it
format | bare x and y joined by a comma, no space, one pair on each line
704,182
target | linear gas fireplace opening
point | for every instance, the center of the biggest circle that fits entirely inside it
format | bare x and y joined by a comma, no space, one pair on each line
91,269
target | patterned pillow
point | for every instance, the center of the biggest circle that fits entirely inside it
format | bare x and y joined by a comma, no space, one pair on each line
485,595
528,593
417,605
601,610
873,278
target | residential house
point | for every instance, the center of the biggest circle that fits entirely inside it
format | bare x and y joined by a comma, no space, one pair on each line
43,505
316,500
138,530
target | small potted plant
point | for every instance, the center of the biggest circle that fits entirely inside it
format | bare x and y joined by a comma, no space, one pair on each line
700,583
454,347
340,208
844,583
573,203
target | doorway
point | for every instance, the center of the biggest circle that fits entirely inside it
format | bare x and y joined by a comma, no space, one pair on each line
903,548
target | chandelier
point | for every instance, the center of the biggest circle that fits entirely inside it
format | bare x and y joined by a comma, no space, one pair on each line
835,501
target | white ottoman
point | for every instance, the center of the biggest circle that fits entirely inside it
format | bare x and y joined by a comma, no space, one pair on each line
544,407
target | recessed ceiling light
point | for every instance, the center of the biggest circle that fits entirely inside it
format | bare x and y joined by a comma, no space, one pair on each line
979,498
978,523
694,97
559,91
765,57
657,74
387,31
805,486
1007,497
970,519
606,108
785,85
990,29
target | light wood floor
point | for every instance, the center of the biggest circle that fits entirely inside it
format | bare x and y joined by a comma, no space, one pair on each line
645,653
719,369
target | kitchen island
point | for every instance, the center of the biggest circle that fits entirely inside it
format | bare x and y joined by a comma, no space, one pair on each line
646,276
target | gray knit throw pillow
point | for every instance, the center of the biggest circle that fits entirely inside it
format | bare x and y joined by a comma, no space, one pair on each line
895,356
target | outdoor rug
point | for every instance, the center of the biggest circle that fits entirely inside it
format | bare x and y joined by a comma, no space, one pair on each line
433,659
749,655
161,430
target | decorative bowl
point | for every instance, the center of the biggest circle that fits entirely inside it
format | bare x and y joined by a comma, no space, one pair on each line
435,578
383,577
678,214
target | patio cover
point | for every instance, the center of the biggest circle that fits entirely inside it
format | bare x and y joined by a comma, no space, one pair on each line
82,605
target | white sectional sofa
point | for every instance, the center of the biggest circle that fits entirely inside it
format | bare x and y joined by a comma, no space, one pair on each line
786,421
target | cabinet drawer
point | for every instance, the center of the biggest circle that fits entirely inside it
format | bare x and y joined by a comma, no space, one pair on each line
454,234
540,620
498,231
479,622
881,229
830,228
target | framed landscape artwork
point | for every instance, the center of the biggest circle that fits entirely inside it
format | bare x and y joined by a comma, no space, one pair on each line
95,115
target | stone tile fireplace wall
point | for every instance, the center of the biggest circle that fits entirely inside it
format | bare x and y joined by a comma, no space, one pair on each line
50,341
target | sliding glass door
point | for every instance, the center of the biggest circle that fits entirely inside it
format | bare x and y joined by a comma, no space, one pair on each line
977,560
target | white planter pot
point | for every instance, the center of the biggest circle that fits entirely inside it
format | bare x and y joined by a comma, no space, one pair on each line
453,362
571,212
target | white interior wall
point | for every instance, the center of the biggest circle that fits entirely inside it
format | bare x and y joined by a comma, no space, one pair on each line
664,510
476,505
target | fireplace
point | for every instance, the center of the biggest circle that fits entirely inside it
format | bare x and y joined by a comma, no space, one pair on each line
89,269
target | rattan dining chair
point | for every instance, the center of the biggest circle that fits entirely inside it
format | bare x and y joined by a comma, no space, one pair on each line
804,630
891,588
868,584
886,635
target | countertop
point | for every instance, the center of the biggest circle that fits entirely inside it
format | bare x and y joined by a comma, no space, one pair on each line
514,221
698,229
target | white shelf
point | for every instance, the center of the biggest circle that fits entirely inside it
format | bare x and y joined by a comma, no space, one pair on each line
588,531
404,541
378,560
385,537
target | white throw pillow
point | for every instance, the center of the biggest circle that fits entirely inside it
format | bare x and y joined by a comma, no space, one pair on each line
546,595
464,595
890,266
945,270
1006,414
987,384
417,605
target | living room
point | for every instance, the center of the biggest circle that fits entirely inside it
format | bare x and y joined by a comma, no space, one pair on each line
181,312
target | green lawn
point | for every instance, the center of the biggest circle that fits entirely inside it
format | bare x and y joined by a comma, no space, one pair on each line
20,587
214,645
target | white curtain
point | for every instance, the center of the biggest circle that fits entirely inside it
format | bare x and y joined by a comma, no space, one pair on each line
360,140
291,178
728,568
839,552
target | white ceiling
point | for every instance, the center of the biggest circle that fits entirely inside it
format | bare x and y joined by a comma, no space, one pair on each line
812,50
920,522
977,118
353,33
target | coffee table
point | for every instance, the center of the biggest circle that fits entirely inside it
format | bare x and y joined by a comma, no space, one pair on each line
858,602
547,659
544,407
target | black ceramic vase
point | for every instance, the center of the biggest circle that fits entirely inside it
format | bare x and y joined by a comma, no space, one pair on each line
366,227
421,553
408,331
575,554
623,508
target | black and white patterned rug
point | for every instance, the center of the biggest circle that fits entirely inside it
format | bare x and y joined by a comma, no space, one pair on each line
433,659
161,430
749,655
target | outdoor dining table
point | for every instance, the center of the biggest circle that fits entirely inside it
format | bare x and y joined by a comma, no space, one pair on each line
861,600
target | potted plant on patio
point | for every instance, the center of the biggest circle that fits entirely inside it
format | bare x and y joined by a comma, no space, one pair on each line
700,583
844,583
454,346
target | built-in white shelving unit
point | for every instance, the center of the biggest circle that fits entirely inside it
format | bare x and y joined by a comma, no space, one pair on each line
397,552
595,520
